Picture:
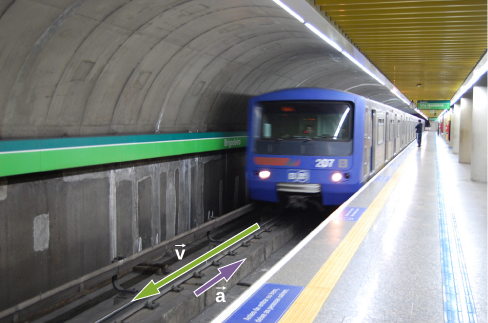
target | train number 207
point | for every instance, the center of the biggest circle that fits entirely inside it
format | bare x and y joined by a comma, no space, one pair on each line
322,163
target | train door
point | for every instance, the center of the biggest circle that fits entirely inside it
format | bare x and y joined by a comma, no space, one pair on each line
367,145
402,131
387,137
373,141
395,132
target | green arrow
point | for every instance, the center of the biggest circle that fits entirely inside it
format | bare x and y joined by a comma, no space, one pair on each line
153,288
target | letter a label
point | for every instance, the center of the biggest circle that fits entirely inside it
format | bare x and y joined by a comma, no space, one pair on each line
220,297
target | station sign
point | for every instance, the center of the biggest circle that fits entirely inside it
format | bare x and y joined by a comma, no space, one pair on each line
434,105
237,142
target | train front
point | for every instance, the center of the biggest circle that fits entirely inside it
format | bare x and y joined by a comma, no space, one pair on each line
305,145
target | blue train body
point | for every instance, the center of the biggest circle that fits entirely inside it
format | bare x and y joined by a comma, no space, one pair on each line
304,164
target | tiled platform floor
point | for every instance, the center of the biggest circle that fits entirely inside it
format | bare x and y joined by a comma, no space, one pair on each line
396,273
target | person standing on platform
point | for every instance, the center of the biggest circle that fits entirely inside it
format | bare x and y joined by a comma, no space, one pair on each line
418,130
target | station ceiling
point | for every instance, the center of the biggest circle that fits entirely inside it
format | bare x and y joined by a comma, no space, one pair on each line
88,67
434,43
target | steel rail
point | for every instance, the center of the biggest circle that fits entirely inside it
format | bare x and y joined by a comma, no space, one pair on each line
48,299
136,306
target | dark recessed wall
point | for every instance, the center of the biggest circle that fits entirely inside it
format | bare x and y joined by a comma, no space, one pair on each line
57,227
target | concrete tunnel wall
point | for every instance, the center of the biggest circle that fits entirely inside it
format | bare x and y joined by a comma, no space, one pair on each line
58,226
87,67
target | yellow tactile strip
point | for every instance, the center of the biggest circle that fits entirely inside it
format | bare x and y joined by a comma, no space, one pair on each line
312,298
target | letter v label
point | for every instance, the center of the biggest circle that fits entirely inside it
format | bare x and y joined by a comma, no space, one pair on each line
178,254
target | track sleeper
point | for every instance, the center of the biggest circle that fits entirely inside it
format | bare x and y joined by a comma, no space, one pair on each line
151,305
176,288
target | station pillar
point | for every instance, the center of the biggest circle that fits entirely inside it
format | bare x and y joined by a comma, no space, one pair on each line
479,134
455,122
451,117
466,127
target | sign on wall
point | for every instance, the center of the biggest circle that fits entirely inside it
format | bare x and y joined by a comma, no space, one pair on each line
434,105
432,109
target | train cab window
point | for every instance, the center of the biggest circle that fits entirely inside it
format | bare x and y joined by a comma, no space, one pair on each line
321,127
381,131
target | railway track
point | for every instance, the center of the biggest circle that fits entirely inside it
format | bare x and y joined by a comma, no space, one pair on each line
132,307
113,303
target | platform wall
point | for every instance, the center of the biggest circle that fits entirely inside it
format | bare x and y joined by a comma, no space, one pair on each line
58,226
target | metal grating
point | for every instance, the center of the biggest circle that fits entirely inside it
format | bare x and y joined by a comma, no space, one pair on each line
435,43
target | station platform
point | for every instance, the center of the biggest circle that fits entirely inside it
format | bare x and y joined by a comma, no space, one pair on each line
410,246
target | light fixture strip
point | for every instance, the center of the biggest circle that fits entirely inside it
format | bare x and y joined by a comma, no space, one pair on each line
420,112
477,74
321,35
399,95
443,113
335,45
352,59
291,12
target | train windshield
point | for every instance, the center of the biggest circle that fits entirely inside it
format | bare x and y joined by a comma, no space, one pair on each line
306,120
325,127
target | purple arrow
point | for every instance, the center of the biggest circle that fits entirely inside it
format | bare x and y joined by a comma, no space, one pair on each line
226,272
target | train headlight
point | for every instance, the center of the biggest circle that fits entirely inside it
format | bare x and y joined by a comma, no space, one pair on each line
336,177
264,174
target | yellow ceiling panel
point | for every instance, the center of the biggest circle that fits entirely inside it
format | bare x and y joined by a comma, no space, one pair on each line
326,6
377,3
434,43
406,14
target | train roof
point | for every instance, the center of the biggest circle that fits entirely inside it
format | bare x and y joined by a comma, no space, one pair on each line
320,94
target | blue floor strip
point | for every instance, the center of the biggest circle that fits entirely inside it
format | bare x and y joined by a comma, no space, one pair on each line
458,299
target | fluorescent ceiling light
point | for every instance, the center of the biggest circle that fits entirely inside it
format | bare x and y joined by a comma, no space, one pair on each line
475,77
321,35
375,77
399,95
420,112
352,59
291,12
332,43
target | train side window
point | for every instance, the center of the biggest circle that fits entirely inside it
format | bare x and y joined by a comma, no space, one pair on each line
381,131
392,133
398,128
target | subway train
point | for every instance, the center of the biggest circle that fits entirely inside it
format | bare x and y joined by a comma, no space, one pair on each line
321,145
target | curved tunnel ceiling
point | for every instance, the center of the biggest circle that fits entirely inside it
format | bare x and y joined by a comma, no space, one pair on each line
90,67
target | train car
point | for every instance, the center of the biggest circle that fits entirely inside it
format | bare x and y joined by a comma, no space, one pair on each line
308,143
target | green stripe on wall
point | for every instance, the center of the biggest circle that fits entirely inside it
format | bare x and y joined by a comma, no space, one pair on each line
31,161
